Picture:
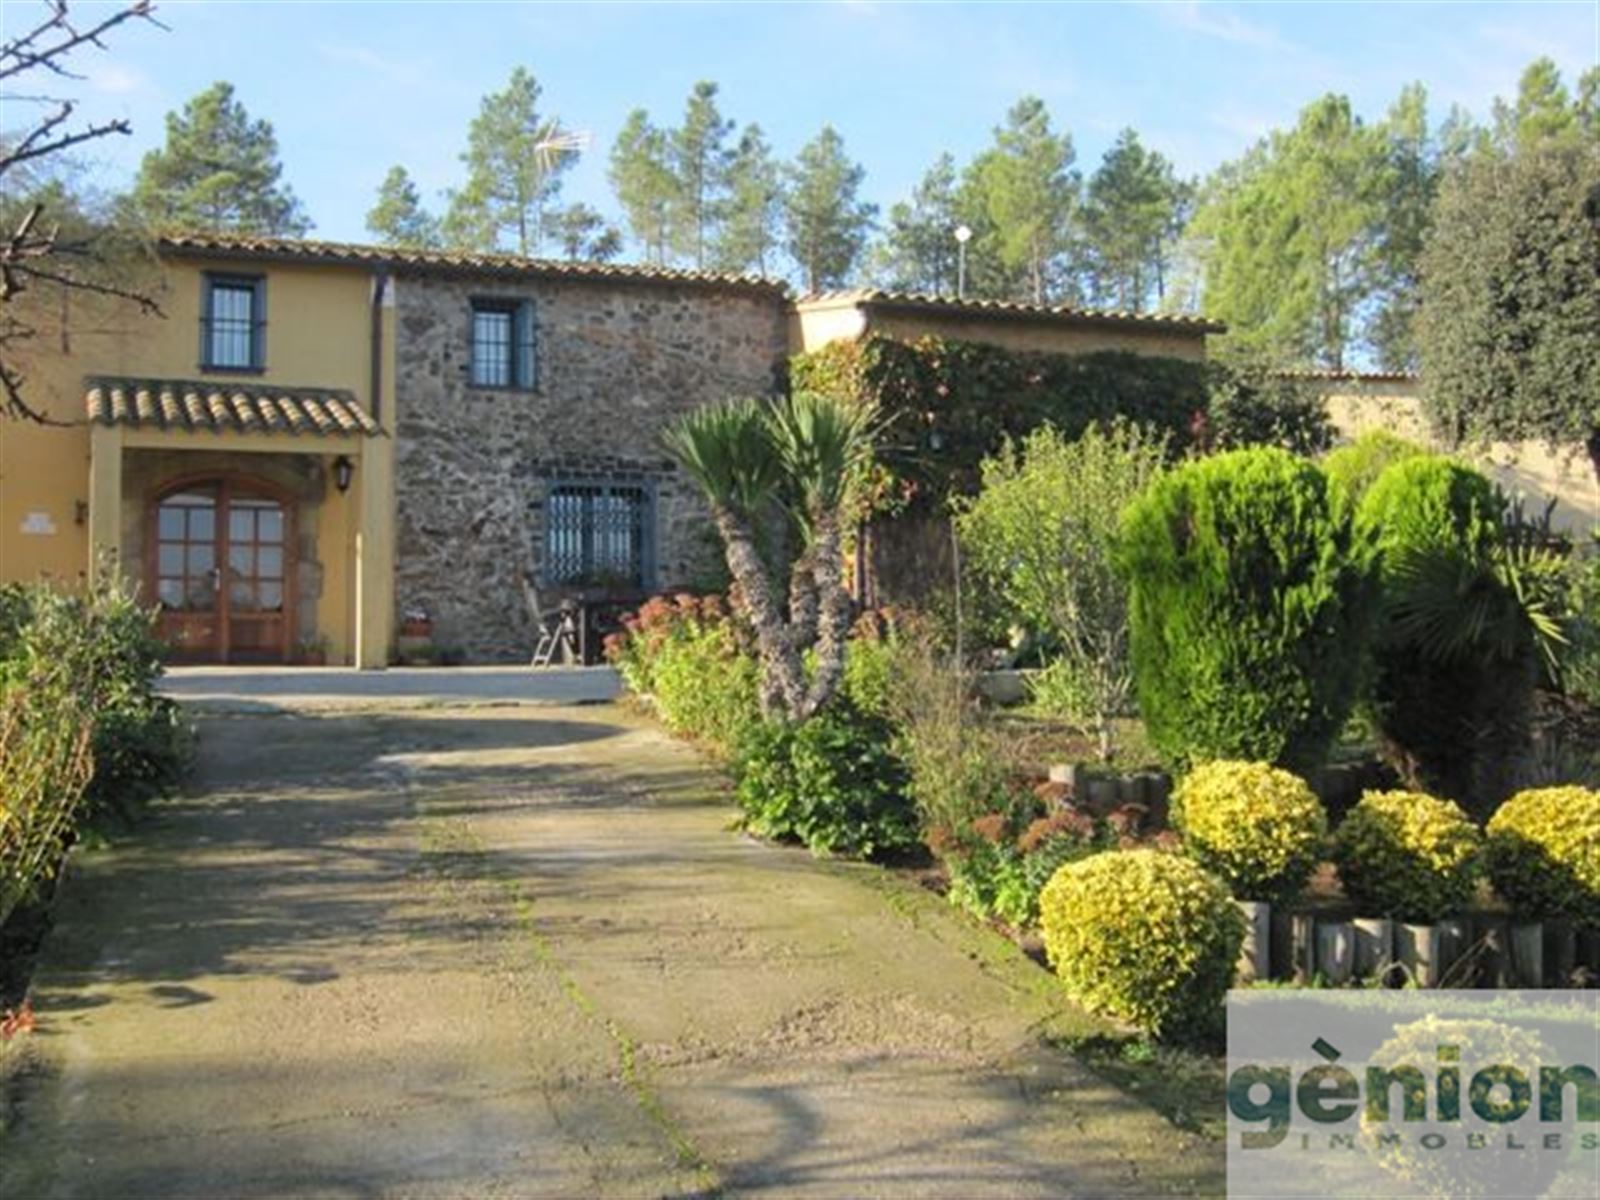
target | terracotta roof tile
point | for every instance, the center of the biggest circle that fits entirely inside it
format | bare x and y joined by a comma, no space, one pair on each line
1065,313
190,406
219,245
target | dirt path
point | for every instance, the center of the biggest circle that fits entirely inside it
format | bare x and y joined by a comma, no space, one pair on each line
515,951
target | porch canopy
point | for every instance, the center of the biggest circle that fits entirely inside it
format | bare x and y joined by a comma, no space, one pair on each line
189,406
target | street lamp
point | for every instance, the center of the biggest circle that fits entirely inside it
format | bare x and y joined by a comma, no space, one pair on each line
963,236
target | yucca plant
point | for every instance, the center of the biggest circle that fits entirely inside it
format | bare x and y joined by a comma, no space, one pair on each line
794,460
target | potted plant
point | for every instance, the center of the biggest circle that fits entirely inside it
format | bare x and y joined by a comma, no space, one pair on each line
312,650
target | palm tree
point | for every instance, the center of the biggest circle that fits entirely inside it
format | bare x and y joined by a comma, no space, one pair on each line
790,461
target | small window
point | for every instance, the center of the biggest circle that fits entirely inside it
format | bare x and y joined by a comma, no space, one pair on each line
503,344
599,534
233,323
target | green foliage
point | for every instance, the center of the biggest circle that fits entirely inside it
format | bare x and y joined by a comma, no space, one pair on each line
1455,653
1543,853
398,218
752,211
1408,855
1144,936
83,734
645,187
698,153
1355,467
1252,406
948,405
691,656
514,158
994,875
1257,827
583,234
825,221
918,252
1040,535
1580,660
1135,207
1510,302
219,170
831,782
1249,611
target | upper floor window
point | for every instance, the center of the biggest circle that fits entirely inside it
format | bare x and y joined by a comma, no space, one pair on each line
503,351
233,323
599,534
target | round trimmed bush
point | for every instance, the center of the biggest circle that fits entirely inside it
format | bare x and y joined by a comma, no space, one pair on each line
1259,828
1408,855
1543,852
1248,609
1144,936
1355,468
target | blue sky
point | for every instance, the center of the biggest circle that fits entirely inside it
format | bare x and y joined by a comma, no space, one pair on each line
355,87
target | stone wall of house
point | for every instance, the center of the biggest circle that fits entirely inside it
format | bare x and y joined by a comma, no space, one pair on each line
617,361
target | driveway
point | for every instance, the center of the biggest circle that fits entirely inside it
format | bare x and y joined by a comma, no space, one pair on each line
515,951
247,689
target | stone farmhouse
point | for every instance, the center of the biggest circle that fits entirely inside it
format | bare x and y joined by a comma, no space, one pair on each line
318,440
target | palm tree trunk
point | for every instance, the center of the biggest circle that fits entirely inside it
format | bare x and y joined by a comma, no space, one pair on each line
833,616
783,690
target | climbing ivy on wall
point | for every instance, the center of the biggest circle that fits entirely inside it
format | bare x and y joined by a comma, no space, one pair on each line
950,404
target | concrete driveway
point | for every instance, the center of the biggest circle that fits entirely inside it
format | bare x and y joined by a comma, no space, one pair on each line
517,951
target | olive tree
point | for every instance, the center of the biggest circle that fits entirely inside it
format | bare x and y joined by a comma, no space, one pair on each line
1041,534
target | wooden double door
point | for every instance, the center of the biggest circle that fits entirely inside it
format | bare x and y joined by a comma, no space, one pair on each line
221,565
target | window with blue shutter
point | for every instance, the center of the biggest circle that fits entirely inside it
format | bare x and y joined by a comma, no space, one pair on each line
599,534
233,323
504,344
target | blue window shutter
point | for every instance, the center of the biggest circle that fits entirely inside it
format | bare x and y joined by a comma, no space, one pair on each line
206,288
527,349
258,316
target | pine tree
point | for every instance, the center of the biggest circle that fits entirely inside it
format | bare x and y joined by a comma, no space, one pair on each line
753,212
699,156
219,170
642,180
1133,210
398,218
825,221
1407,184
919,249
1026,188
514,161
583,234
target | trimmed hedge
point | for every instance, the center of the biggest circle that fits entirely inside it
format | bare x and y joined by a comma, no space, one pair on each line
1355,468
1143,935
1543,852
1408,856
1250,599
1259,828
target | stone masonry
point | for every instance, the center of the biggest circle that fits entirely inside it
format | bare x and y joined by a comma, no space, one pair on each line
617,361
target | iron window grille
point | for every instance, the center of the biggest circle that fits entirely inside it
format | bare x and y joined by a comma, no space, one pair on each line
233,323
600,534
504,354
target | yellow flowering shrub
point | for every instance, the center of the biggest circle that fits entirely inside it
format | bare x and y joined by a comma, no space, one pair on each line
1544,852
1145,936
1408,855
1261,829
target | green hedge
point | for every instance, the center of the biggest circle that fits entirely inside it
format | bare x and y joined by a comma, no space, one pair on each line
950,404
1250,601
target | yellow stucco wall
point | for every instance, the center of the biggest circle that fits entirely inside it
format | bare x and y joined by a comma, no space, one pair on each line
317,335
1532,469
815,324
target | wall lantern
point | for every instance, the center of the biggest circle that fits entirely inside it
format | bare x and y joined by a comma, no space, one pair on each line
343,468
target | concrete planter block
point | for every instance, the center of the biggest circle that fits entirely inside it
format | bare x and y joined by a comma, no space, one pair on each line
1293,946
1527,953
1255,955
1588,953
1494,940
1159,793
1560,953
1070,774
1417,949
1004,687
1455,944
1336,951
1374,946
1101,794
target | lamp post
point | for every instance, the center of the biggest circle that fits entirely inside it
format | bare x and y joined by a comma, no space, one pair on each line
963,236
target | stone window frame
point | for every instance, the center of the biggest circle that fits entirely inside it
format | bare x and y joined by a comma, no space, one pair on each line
524,370
649,547
256,285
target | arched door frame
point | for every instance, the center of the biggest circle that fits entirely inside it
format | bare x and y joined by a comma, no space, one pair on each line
229,484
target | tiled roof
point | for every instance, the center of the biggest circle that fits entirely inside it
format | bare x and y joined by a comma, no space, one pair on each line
1065,313
237,246
195,407
1328,373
